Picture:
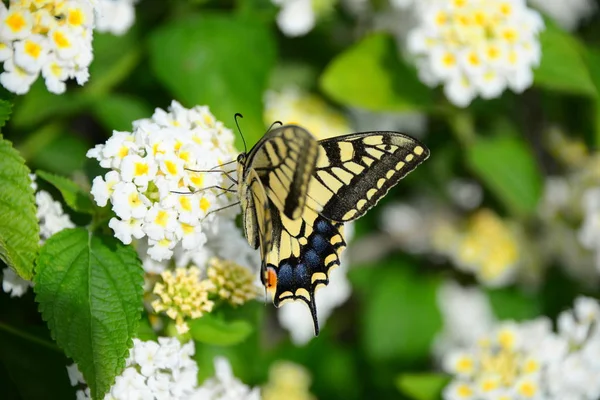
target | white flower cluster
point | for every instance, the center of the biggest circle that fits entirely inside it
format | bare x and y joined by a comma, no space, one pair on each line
48,37
115,16
52,219
154,185
476,47
154,370
518,361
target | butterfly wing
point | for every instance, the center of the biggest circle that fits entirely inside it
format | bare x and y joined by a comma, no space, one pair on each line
285,160
354,172
256,216
307,189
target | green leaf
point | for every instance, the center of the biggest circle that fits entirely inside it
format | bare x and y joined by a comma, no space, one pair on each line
19,229
370,75
115,58
401,316
508,168
39,104
593,63
562,67
422,386
117,112
514,304
75,197
89,289
5,110
196,60
211,329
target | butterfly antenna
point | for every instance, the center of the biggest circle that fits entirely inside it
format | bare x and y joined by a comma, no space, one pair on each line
238,115
273,124
313,312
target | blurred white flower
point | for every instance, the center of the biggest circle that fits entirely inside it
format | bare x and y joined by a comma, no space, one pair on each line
528,360
467,315
13,284
465,193
52,38
158,185
294,317
50,215
476,47
589,233
225,386
298,17
115,16
154,370
568,14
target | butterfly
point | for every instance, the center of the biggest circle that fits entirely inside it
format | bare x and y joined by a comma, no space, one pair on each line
297,192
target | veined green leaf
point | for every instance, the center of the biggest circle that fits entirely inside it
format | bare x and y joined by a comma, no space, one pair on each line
89,289
19,228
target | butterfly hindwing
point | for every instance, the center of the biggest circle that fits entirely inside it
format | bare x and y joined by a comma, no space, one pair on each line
355,171
299,275
285,159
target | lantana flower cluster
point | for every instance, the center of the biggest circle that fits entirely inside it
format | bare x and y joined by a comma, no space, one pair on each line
476,47
165,369
48,37
528,360
154,185
186,294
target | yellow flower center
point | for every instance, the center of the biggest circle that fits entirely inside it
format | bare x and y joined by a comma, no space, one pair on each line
162,217
61,40
33,49
15,22
141,169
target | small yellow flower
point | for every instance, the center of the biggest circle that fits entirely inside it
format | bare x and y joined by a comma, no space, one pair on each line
232,282
183,295
489,248
287,380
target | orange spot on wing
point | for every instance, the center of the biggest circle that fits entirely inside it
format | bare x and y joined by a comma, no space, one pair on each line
271,278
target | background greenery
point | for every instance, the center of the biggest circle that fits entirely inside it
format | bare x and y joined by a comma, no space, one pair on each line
226,54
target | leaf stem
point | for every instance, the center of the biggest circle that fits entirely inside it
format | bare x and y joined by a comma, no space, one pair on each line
27,336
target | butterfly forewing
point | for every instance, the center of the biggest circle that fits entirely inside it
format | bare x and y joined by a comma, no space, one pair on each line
285,160
354,172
